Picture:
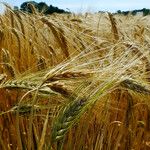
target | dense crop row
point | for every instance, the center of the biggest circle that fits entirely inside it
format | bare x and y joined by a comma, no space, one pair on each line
74,81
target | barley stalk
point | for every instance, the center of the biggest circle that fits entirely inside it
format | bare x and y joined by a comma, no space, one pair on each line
42,139
2,142
73,111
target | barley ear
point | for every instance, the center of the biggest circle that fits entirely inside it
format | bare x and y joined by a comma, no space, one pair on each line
66,119
134,86
114,26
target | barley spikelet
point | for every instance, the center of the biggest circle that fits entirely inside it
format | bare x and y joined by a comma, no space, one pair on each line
25,109
2,78
5,56
114,26
52,55
19,84
1,21
10,69
52,50
145,59
136,87
64,91
139,31
27,85
35,30
63,43
1,36
76,20
41,63
12,19
32,7
66,119
69,75
54,29
15,32
19,17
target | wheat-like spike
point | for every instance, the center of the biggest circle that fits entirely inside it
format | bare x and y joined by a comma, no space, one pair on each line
114,26
25,109
15,32
67,118
19,84
20,19
53,55
135,50
68,75
28,86
64,91
2,78
8,67
76,20
33,9
12,19
73,111
1,36
5,56
139,30
63,42
41,64
52,50
136,87
58,36
1,21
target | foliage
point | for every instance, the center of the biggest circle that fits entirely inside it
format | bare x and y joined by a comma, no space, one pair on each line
144,11
40,7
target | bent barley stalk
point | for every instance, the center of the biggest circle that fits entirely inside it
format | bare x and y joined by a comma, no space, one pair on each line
72,112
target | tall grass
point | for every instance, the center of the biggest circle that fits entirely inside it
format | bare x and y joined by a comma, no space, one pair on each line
74,81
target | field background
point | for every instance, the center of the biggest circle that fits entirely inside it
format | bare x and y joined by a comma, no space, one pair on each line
74,82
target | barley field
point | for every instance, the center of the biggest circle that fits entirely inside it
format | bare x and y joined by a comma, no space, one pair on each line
74,81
